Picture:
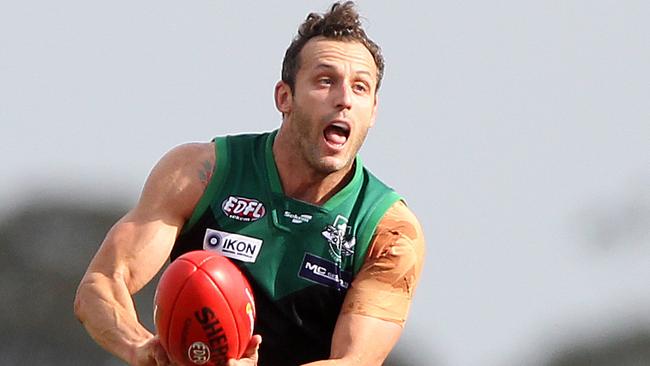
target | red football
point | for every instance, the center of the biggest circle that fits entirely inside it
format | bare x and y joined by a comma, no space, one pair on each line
204,310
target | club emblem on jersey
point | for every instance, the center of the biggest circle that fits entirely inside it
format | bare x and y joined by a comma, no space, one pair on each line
338,237
243,209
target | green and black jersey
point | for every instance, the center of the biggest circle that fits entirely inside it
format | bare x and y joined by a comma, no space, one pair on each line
299,258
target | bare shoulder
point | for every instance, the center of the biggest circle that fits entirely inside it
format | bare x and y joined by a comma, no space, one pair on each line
398,244
188,164
399,217
178,180
384,286
189,154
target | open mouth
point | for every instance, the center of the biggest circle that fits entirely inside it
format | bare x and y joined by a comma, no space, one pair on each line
337,133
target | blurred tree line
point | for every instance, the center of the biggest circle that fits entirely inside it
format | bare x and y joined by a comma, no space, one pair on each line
47,246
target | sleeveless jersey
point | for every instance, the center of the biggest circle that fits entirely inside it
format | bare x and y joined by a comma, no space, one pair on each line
299,258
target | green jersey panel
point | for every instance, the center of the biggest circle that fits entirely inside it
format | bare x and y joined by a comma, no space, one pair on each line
299,258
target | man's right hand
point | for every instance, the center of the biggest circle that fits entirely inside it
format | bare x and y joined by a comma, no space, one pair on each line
151,353
135,249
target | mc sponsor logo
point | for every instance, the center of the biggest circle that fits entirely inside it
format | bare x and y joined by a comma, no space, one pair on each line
324,272
243,209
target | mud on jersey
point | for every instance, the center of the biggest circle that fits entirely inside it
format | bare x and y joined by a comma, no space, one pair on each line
299,258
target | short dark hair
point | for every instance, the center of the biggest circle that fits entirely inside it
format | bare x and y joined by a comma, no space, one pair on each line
340,23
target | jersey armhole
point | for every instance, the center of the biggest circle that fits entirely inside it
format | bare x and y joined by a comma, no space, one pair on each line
216,182
369,224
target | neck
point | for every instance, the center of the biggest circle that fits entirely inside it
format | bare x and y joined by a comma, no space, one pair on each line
300,180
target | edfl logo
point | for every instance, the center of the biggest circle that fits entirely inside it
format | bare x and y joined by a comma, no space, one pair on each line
243,209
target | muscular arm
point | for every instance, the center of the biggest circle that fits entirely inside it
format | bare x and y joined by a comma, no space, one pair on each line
377,304
136,248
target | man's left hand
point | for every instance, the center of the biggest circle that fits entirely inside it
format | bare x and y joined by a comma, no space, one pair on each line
250,356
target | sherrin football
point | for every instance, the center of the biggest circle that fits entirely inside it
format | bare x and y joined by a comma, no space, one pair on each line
203,310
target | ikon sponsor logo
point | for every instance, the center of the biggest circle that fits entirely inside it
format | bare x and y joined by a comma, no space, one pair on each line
243,209
324,272
235,246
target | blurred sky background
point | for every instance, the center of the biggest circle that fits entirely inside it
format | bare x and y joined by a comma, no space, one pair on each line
518,131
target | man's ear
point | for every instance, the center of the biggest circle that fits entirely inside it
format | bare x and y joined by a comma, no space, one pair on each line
283,97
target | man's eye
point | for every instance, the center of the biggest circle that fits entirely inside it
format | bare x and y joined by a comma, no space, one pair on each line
325,81
360,88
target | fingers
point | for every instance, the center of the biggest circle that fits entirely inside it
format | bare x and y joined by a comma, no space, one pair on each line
253,346
161,358
249,358
159,353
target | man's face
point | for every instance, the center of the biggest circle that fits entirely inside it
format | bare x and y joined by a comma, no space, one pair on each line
333,103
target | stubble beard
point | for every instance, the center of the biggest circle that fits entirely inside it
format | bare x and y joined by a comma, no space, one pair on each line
309,138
